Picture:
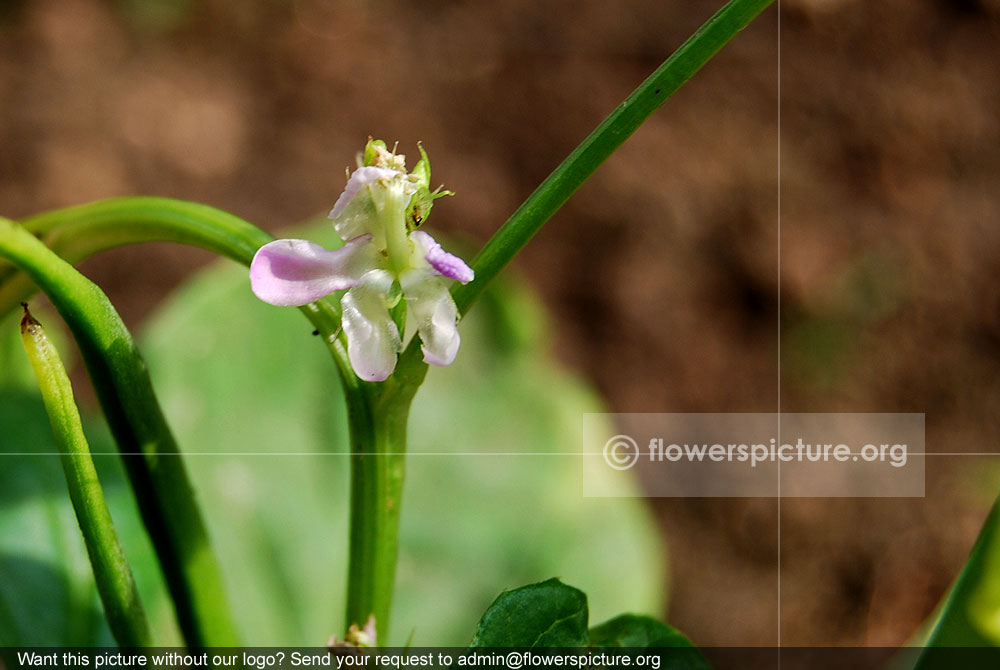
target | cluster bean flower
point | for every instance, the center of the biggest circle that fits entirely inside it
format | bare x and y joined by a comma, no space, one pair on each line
389,268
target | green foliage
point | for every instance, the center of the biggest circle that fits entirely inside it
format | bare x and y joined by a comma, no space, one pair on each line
547,614
551,614
47,591
633,630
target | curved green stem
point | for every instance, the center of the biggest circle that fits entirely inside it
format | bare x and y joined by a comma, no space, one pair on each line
156,473
112,574
76,233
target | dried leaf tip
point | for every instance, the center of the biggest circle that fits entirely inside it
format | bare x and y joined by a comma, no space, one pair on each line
28,322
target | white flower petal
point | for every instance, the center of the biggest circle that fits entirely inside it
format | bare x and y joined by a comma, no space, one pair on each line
435,313
373,341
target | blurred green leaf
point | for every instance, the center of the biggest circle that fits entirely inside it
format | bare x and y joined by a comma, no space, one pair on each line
47,592
46,589
547,614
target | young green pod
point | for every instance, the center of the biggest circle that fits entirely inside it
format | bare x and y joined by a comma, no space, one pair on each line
122,607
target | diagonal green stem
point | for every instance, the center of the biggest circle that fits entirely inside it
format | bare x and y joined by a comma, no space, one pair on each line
156,471
557,188
112,574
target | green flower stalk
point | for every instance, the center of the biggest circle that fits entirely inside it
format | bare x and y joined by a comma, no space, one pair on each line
122,607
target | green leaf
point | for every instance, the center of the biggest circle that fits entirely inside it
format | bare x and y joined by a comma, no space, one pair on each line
547,614
552,614
634,630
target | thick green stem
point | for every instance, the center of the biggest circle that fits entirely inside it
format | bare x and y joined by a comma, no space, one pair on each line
378,415
122,606
151,458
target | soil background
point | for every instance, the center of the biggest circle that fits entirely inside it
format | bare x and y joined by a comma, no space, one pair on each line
662,273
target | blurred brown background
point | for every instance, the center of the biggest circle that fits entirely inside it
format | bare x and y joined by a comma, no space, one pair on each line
662,272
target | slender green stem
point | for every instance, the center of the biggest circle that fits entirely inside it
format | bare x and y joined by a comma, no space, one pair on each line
604,141
151,457
557,188
122,606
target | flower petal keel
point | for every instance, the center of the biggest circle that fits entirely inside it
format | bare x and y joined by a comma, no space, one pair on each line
436,315
373,340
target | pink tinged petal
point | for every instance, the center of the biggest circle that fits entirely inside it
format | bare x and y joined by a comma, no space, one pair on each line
296,272
373,340
354,210
430,304
446,264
